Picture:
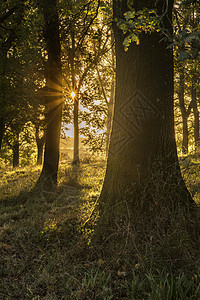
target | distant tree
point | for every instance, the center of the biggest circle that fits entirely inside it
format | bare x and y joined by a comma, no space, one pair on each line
194,100
85,34
185,111
187,46
10,18
97,101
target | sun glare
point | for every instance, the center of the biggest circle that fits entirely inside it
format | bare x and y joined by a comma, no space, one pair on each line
73,95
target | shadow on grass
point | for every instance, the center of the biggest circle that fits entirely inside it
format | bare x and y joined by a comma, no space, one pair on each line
45,252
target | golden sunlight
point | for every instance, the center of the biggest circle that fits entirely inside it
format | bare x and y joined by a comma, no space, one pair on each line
73,95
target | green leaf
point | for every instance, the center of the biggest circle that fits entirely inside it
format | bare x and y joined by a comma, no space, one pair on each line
129,15
183,55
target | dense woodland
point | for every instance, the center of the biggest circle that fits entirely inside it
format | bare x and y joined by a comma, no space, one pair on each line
112,213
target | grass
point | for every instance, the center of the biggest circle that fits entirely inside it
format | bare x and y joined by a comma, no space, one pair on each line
46,251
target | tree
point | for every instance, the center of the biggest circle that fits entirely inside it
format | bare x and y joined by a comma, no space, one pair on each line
7,38
53,94
143,176
86,33
185,112
97,101
186,47
194,84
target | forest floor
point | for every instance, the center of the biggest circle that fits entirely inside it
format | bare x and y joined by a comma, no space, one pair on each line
46,252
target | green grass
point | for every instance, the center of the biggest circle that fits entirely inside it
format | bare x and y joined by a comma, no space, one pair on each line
46,251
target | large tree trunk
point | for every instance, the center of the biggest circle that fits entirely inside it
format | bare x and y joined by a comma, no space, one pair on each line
53,95
143,173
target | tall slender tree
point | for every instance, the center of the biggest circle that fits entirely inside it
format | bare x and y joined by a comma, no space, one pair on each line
53,94
194,84
185,112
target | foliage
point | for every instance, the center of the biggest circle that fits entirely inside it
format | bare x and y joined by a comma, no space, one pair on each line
136,22
186,40
186,37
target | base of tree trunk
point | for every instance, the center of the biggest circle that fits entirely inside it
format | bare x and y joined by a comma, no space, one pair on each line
76,162
46,182
150,224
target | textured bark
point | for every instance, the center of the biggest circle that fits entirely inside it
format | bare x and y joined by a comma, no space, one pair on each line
142,156
53,95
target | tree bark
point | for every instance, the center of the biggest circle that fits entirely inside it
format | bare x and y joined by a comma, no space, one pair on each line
53,95
143,177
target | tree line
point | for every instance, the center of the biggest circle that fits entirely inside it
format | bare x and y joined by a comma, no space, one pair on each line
88,68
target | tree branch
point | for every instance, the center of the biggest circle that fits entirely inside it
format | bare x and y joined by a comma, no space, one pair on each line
8,14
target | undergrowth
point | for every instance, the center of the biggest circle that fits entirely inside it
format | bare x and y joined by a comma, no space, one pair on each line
46,248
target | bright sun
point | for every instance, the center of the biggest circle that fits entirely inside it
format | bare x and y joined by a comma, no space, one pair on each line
73,95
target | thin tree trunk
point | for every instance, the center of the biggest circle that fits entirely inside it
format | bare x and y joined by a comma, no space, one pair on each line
3,58
183,111
40,146
196,113
2,130
53,95
76,159
16,151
